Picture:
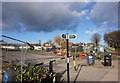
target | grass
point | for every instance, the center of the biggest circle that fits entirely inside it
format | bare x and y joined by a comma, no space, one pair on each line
34,50
117,50
115,58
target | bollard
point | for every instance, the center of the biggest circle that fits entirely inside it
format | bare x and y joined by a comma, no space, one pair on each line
54,79
110,59
51,66
87,59
74,63
51,72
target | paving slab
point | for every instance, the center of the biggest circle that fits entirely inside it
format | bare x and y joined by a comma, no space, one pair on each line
96,72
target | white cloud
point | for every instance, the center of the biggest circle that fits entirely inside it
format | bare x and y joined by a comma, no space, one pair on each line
105,15
90,32
83,12
104,22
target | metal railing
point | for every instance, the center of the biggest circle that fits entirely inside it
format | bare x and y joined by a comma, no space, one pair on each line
13,49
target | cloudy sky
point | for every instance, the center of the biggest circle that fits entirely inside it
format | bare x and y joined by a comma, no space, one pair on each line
34,21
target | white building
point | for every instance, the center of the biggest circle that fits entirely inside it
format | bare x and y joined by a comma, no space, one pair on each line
38,47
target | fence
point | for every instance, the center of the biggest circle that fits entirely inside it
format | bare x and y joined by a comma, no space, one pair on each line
13,52
16,54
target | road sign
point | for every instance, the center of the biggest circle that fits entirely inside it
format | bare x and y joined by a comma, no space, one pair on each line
101,48
5,76
63,35
72,36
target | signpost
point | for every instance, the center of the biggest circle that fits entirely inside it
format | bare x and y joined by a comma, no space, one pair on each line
67,37
67,42
72,36
63,35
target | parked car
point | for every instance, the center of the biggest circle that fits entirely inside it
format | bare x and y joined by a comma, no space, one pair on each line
82,55
50,49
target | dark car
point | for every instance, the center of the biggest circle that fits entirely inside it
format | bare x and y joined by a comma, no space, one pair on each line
50,49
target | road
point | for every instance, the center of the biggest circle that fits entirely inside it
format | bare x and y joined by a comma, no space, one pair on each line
30,57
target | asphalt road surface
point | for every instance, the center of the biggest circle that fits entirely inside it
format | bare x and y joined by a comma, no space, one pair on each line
29,57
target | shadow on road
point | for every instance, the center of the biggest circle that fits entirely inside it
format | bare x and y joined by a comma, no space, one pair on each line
78,72
59,76
78,66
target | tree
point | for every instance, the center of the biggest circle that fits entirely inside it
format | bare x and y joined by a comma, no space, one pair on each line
112,39
60,41
96,39
57,39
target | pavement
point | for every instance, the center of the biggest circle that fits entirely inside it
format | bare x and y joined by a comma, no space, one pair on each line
96,72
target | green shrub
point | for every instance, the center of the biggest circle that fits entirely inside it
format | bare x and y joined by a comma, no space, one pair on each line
117,50
115,58
32,73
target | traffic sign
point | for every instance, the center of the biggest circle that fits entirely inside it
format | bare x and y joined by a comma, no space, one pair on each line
5,76
101,48
63,35
72,36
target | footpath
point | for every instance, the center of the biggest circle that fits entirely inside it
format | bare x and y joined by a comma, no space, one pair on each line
96,72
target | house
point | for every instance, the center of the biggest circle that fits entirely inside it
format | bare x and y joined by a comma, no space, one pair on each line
37,46
90,44
13,46
48,45
88,47
78,47
9,46
71,43
24,46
